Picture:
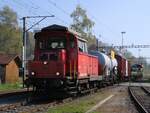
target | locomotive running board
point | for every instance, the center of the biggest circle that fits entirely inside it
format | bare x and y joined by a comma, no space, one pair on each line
99,78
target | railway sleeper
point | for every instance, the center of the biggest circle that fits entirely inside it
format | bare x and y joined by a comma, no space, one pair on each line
145,90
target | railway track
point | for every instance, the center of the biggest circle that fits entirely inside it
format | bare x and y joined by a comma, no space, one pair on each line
10,100
147,90
141,98
16,102
13,93
37,105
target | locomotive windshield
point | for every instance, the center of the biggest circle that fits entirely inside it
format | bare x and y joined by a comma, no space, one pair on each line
53,43
137,67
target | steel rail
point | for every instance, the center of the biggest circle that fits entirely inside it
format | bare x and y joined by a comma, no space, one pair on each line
139,106
145,90
13,93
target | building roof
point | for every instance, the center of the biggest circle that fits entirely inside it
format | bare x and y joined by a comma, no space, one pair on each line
6,58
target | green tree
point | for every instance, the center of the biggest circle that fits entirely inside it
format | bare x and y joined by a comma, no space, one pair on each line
8,17
10,33
128,54
30,45
83,25
81,22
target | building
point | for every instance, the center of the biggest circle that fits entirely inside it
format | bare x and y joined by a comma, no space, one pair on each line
9,68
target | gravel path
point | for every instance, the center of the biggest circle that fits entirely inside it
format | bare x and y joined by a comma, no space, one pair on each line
120,103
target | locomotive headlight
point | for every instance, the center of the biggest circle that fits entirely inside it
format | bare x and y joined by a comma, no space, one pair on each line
45,62
32,73
57,73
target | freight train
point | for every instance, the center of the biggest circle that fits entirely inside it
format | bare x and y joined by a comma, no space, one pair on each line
62,61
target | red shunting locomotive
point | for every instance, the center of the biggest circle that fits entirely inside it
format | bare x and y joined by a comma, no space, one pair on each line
61,61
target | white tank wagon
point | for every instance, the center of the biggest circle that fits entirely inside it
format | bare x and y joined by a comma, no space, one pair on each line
114,69
107,66
104,63
114,65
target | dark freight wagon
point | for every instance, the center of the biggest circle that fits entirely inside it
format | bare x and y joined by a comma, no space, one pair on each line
124,68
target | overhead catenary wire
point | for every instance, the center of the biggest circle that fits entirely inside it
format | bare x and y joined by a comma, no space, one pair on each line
25,6
56,16
58,7
43,17
34,10
66,13
101,23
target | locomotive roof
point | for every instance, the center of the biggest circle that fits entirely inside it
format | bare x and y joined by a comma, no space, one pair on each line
137,65
56,27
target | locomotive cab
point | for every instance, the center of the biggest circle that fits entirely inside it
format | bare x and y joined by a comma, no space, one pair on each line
55,49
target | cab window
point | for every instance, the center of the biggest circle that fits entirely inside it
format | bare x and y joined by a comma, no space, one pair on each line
82,46
42,44
56,43
72,42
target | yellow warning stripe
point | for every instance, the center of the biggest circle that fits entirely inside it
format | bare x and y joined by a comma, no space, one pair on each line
70,70
74,68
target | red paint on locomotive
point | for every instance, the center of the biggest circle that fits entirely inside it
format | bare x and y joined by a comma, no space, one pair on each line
61,54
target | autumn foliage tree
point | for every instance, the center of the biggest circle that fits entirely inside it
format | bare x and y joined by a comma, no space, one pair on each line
83,24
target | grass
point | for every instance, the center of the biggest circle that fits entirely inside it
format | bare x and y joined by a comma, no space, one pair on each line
6,87
80,105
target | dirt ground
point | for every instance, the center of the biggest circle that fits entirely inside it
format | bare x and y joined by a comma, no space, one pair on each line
135,84
119,103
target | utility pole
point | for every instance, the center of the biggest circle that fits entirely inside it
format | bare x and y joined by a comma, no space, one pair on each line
139,50
123,32
24,41
24,50
97,43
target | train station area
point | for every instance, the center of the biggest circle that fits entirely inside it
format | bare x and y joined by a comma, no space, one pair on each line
116,99
73,56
